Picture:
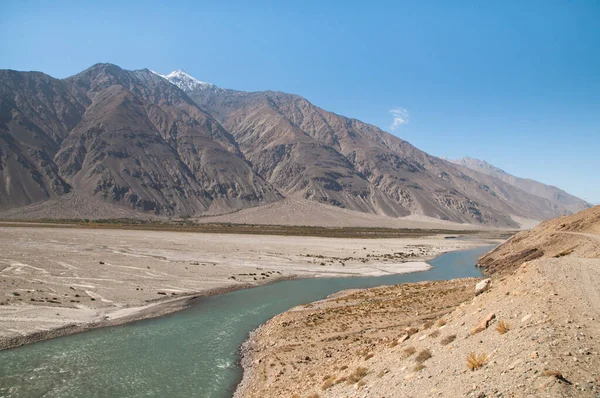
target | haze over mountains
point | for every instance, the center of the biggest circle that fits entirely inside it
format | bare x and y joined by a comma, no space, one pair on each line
174,146
552,193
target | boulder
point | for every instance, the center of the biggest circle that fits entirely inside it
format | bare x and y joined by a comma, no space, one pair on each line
482,286
481,326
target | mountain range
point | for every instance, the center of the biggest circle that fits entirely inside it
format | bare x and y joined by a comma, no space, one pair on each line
171,145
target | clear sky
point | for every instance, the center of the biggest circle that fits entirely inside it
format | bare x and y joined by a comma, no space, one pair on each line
516,83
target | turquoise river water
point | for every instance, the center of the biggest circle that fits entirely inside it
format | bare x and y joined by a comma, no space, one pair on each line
191,353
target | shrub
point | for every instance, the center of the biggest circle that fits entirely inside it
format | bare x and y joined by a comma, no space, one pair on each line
357,375
448,339
423,356
408,351
328,383
419,367
475,361
434,334
502,327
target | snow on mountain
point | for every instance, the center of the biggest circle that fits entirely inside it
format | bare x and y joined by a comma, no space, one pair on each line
184,81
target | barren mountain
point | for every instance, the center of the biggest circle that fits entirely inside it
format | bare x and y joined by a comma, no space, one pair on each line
306,151
173,145
555,195
130,138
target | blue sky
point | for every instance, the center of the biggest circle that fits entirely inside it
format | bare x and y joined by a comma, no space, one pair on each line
516,83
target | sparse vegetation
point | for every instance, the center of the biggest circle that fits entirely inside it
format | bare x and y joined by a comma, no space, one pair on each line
357,375
448,339
408,351
502,327
330,381
475,361
419,367
434,334
229,228
441,322
423,355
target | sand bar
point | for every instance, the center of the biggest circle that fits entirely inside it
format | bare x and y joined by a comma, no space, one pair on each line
59,281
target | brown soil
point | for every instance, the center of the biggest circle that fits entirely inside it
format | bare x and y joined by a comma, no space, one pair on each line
575,235
534,332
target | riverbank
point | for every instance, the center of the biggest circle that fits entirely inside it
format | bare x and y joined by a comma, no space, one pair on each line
62,281
313,347
531,331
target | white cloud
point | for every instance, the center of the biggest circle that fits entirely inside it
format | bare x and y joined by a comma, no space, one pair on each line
400,118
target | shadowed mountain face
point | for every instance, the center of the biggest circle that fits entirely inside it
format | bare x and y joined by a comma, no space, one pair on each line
172,145
129,138
555,195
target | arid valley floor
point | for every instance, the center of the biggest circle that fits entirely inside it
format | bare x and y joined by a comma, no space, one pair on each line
57,281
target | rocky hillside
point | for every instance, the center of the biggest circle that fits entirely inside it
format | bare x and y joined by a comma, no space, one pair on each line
529,331
129,138
306,151
172,145
555,195
575,235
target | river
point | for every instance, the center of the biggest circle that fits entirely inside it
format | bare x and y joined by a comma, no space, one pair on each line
193,352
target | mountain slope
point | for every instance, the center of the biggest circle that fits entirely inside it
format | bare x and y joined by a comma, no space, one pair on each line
381,173
173,145
574,235
36,113
555,195
136,140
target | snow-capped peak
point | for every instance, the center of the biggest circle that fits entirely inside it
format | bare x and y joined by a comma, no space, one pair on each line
184,81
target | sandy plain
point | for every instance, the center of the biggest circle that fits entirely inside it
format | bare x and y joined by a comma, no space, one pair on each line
56,281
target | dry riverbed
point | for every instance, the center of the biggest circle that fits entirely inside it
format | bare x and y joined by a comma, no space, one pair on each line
55,281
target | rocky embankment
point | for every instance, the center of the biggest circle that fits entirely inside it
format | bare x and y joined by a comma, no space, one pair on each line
533,329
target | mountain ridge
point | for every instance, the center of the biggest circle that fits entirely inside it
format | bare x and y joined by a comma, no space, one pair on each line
550,192
173,145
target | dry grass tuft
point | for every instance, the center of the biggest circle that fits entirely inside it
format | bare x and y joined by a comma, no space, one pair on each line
434,334
428,324
328,383
341,380
357,375
448,339
408,351
419,367
423,355
475,361
502,327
